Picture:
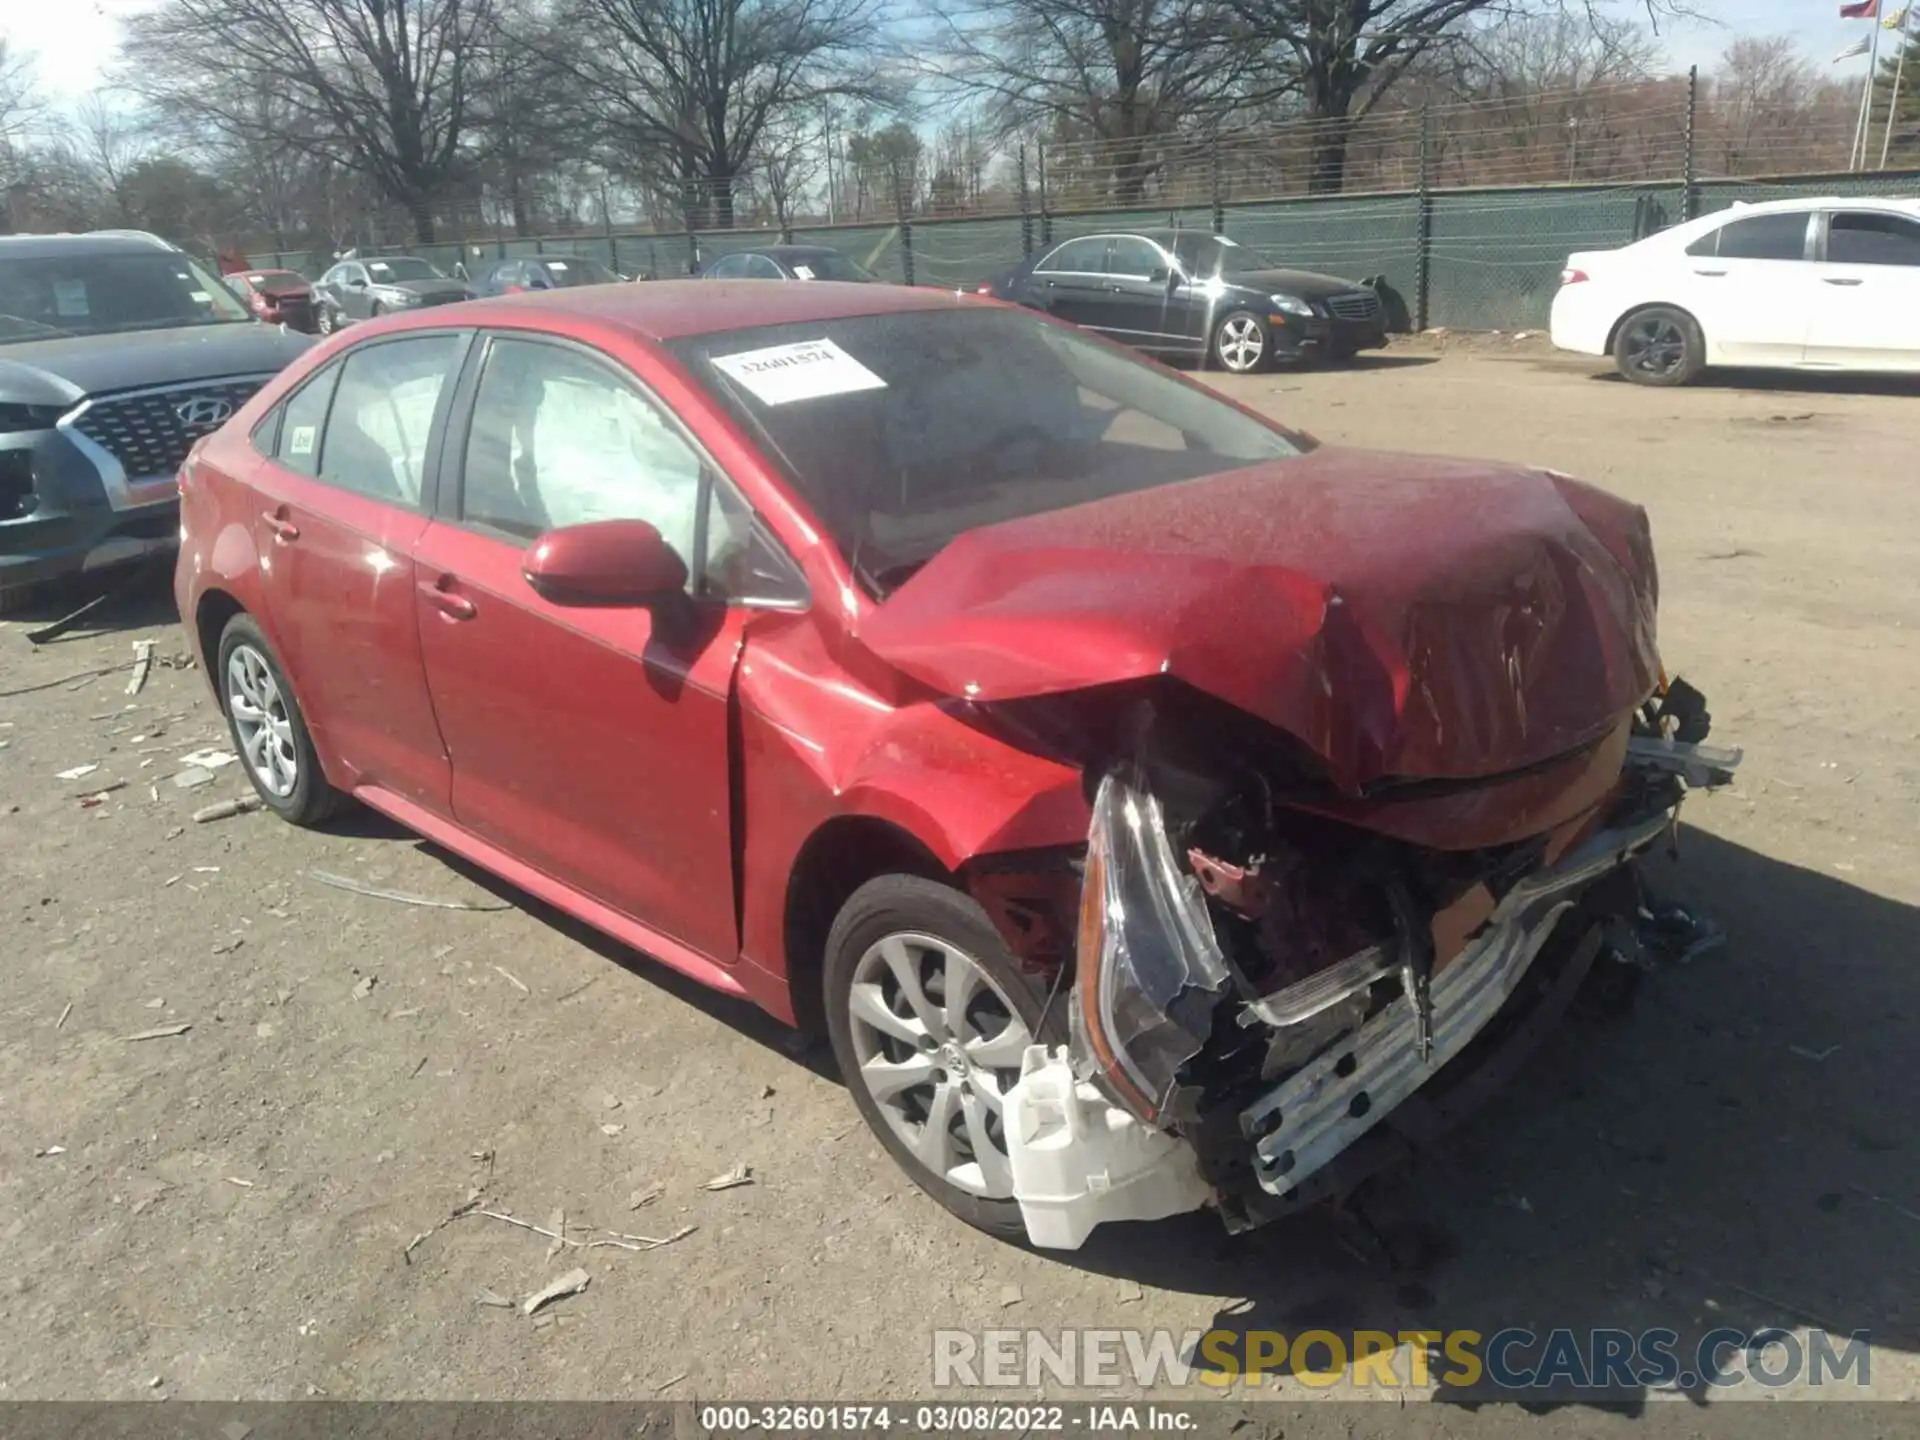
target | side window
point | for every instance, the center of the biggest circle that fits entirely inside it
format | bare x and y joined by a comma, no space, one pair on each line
1085,256
560,439
377,431
1133,256
1761,237
1868,237
759,267
727,267
302,417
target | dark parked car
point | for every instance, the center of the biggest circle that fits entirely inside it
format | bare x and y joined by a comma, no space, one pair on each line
1191,295
360,289
117,352
932,672
542,272
279,297
789,262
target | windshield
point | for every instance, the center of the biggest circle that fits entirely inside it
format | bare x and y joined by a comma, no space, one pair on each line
78,293
827,265
900,431
1205,255
405,267
575,271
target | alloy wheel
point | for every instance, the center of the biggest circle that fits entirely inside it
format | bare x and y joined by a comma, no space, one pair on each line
1241,343
260,720
325,321
939,1046
1656,346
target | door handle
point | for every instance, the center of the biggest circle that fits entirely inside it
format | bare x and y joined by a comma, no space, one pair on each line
283,528
1841,280
454,607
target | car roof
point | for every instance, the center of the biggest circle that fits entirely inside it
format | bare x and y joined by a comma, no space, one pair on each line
1825,202
795,250
675,309
103,242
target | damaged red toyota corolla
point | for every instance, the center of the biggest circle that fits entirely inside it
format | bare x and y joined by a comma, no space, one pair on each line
1146,800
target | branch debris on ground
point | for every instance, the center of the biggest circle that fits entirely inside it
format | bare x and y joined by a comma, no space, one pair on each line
341,882
738,1175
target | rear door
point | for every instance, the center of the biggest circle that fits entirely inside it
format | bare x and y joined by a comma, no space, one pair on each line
1071,282
1867,314
588,741
1751,286
342,502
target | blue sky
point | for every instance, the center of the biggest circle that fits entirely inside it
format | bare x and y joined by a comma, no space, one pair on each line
70,40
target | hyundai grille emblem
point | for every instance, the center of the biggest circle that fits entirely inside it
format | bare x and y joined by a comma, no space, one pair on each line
203,412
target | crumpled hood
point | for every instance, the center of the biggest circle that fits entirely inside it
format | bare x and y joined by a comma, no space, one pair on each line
1403,616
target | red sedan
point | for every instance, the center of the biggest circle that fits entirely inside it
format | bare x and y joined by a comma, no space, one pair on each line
279,297
1145,799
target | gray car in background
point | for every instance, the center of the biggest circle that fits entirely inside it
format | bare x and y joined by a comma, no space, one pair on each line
359,289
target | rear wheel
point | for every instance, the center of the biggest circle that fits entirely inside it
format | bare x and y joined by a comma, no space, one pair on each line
1660,345
930,1014
1240,342
269,732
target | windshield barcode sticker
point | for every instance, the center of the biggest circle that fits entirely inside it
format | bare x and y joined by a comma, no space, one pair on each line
809,370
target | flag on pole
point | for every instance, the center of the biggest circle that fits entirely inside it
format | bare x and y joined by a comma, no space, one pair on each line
1897,20
1860,10
1858,47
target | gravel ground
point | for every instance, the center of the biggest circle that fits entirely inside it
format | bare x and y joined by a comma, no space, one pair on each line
225,1213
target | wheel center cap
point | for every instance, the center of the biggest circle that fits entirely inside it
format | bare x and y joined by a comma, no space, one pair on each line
954,1059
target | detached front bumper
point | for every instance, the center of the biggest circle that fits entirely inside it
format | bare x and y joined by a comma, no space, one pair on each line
1154,989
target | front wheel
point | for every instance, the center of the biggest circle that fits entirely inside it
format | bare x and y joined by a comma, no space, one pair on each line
930,1014
325,321
1240,342
1660,345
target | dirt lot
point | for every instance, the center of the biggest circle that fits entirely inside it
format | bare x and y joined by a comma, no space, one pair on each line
223,1213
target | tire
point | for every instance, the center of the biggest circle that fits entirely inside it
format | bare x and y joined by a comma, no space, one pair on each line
904,923
376,310
284,768
1241,344
1660,345
324,321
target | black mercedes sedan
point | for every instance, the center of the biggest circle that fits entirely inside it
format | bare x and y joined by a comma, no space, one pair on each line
1191,295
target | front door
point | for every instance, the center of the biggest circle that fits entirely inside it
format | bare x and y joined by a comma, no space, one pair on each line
1750,285
1866,315
589,741
1143,305
341,508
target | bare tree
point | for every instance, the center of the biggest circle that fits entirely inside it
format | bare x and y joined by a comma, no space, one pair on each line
1115,76
383,85
109,142
687,90
19,109
1765,99
786,165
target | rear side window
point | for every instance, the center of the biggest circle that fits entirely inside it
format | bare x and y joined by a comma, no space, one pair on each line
382,416
303,417
1087,257
1130,255
1761,237
1864,237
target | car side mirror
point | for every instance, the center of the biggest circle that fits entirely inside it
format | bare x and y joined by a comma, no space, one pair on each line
356,284
1161,275
604,562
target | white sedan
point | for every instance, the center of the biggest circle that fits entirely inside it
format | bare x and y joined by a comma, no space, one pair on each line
1826,285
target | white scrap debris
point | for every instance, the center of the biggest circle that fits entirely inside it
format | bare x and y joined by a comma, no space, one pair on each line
142,664
571,1283
738,1175
78,772
209,759
1078,1161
